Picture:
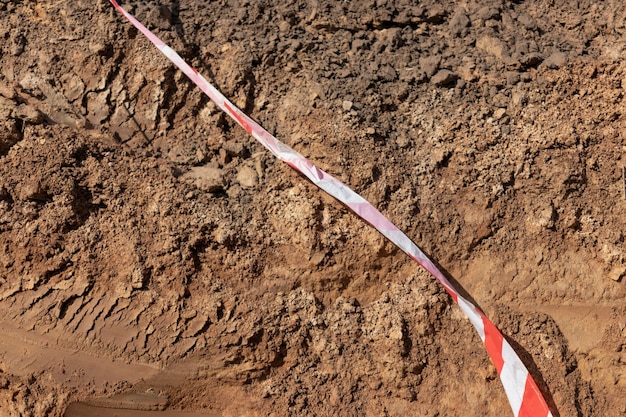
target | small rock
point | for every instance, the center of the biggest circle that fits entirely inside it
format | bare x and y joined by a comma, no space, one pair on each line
493,46
436,14
444,77
206,178
6,108
284,26
546,217
519,98
6,90
459,22
403,140
33,191
556,60
233,148
247,177
347,105
617,273
73,86
527,21
499,114
166,13
512,77
430,65
526,77
531,60
360,44
200,155
98,106
137,278
98,47
387,73
30,83
160,17
9,136
29,114
488,12
500,100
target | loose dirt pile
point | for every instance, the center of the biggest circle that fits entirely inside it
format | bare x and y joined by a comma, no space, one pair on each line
153,256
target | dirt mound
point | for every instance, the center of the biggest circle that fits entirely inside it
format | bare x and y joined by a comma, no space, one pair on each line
150,249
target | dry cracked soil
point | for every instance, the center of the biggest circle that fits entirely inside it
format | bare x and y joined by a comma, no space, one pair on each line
156,261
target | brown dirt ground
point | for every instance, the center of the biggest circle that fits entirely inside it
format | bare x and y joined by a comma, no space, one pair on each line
154,257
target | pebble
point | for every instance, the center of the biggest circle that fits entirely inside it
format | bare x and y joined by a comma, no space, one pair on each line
347,105
546,217
28,113
206,178
429,65
32,191
618,273
7,108
531,60
556,60
499,114
493,46
247,177
444,77
233,148
459,22
73,86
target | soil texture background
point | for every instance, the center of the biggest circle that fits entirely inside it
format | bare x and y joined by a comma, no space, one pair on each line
156,260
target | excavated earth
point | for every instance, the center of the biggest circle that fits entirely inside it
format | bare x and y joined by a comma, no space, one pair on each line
156,261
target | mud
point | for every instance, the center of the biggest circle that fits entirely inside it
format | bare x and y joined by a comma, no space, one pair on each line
149,247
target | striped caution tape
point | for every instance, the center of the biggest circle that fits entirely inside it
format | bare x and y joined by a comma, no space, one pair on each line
522,391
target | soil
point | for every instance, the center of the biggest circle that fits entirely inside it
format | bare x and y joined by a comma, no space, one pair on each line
155,260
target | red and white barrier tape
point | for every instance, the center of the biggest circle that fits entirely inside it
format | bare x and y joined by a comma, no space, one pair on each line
524,396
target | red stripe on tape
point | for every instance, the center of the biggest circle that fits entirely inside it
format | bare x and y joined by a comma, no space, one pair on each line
493,343
238,118
533,403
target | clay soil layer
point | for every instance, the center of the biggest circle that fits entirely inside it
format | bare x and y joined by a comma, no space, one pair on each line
156,261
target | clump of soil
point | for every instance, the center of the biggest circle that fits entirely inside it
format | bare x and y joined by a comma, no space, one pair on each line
151,252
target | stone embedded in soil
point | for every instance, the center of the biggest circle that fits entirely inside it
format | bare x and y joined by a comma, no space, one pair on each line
430,64
555,61
98,106
73,86
545,218
493,46
617,273
531,60
32,190
28,114
9,135
499,114
459,22
247,177
234,148
444,77
206,178
7,107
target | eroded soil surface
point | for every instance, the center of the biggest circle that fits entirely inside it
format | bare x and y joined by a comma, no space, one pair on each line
155,257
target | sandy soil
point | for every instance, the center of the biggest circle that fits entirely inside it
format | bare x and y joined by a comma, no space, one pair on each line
155,260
